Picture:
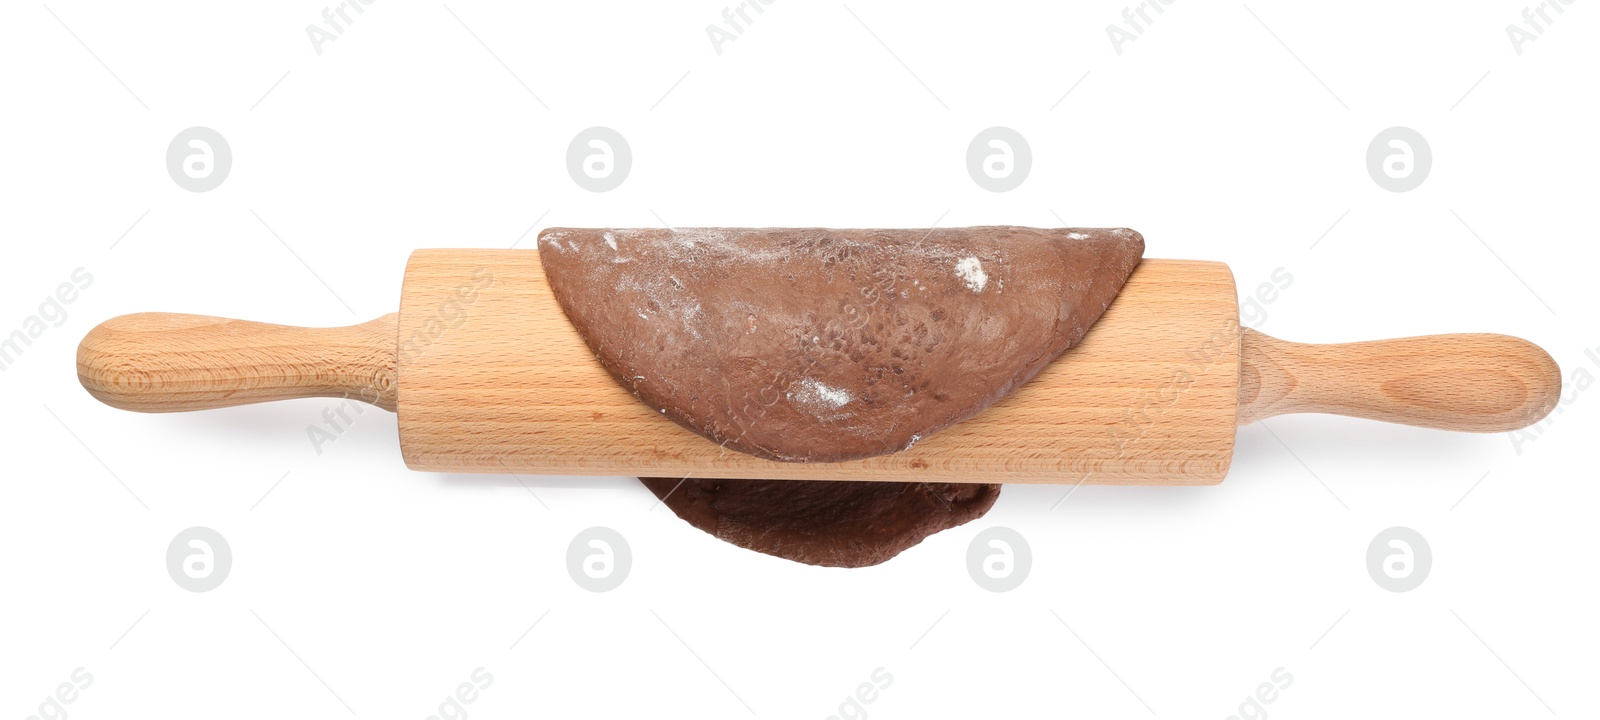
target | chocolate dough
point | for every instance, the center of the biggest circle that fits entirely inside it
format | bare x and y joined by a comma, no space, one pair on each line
817,345
824,522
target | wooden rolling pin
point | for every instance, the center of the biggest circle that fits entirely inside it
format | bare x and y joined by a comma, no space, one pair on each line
502,382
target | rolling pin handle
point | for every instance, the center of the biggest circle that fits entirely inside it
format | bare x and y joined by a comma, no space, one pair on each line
168,362
1475,383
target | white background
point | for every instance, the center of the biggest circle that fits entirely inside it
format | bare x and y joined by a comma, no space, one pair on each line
361,587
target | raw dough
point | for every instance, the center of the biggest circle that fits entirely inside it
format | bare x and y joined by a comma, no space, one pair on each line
824,522
817,345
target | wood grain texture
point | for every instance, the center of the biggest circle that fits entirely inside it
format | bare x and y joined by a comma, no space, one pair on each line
493,378
168,362
1476,383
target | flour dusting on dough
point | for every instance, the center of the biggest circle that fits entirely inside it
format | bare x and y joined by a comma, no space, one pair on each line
691,319
611,240
819,398
971,272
